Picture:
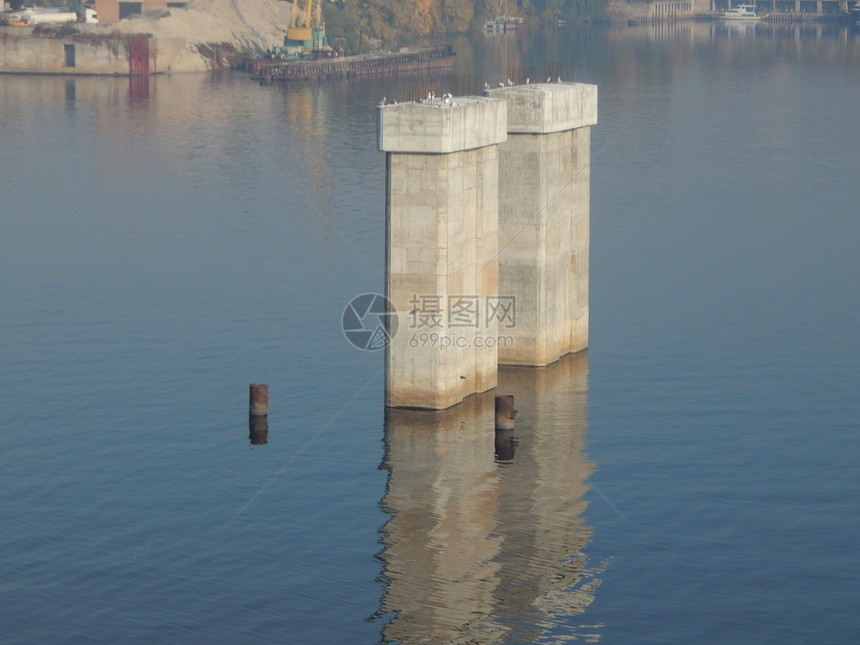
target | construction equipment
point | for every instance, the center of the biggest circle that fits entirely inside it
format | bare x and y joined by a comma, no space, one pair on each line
306,29
300,22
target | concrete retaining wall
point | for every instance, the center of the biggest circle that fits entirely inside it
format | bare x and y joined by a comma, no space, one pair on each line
23,52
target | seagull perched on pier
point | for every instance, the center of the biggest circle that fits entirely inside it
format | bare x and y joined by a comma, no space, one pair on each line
527,81
486,85
558,80
510,82
548,79
382,101
501,84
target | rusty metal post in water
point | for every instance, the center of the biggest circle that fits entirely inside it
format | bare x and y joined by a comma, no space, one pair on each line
259,400
505,412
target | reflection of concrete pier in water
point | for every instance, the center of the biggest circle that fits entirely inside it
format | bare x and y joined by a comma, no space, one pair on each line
482,550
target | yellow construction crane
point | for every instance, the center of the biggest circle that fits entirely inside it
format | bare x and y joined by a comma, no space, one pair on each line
307,30
302,20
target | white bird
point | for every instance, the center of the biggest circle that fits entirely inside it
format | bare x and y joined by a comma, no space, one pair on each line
510,82
501,84
558,80
548,79
486,85
527,81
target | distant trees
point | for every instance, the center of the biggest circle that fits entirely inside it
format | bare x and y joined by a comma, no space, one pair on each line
389,20
392,20
551,10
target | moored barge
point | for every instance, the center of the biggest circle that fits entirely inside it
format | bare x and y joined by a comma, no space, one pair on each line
361,65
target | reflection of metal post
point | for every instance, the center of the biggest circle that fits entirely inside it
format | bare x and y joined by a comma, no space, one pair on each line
258,430
259,400
505,445
505,412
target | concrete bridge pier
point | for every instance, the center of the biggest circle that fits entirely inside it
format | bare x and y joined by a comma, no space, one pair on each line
544,179
442,197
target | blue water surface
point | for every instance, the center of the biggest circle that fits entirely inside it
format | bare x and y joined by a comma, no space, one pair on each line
691,478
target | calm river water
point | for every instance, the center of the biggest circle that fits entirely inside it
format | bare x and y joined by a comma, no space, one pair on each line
692,479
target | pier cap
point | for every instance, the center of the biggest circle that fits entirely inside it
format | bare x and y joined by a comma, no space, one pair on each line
542,108
442,125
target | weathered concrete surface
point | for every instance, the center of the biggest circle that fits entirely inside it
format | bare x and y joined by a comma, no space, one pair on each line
441,261
542,108
95,52
22,52
544,179
439,127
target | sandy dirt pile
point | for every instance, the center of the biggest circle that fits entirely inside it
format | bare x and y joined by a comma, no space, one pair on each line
201,36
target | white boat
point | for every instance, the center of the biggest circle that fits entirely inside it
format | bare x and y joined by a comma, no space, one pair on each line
741,12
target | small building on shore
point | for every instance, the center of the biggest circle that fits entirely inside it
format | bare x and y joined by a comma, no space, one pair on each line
111,11
659,10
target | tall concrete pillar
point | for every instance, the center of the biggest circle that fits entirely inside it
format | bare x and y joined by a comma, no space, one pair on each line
544,178
441,247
